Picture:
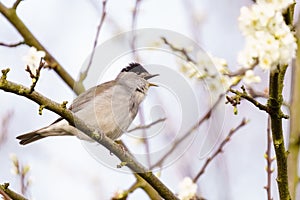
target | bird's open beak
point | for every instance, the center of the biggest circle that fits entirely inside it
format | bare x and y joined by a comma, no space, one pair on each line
151,76
153,84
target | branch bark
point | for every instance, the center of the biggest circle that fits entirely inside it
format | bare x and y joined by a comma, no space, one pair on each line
274,104
12,195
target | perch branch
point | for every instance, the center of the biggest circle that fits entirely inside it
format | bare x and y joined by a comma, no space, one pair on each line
12,195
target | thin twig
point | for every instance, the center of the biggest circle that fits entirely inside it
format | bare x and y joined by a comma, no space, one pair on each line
183,51
246,96
177,49
144,138
256,94
22,172
146,126
16,4
145,141
13,44
252,100
136,58
83,75
133,27
242,70
191,130
220,149
270,160
35,76
188,58
5,122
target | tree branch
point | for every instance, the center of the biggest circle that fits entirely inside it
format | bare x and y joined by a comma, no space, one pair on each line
177,49
35,75
235,100
268,156
133,27
100,138
146,126
11,15
13,195
12,45
274,105
220,149
4,126
16,4
276,82
245,95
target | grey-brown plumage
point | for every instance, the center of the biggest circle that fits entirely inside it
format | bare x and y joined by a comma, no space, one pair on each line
109,107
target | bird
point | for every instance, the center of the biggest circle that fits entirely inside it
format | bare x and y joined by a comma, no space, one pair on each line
109,107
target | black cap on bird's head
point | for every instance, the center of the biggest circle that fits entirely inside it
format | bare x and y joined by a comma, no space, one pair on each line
139,70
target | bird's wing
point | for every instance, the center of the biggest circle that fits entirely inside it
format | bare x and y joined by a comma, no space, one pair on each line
80,102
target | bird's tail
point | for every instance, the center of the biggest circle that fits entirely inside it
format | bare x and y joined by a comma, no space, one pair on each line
30,137
54,129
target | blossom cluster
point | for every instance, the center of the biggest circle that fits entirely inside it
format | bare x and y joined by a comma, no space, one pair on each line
209,68
187,189
269,40
215,72
33,59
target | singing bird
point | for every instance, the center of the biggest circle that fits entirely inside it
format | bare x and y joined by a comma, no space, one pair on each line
109,107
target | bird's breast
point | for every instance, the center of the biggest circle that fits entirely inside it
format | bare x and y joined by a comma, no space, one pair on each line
112,111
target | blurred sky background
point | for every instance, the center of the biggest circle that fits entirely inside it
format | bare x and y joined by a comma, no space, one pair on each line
61,168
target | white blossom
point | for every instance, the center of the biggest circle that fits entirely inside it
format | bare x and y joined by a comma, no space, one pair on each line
119,194
187,189
213,70
279,5
250,77
269,39
33,59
